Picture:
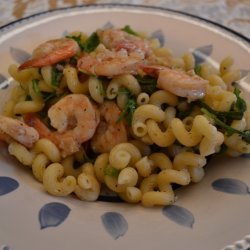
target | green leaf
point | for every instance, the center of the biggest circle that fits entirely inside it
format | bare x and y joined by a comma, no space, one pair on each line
129,30
245,135
91,43
197,69
129,108
56,76
78,40
47,96
111,171
147,83
232,115
35,87
240,104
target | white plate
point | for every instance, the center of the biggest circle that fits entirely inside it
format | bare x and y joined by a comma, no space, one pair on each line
202,218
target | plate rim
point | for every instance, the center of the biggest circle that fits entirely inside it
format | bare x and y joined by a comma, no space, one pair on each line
126,5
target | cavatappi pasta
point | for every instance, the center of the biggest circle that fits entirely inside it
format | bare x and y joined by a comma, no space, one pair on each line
115,110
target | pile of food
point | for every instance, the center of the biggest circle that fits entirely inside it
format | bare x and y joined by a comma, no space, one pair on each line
116,111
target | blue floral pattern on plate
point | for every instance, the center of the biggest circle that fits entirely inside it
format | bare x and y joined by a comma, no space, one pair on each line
115,224
231,186
53,214
7,185
179,215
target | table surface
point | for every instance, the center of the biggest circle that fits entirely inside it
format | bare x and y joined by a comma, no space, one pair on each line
234,14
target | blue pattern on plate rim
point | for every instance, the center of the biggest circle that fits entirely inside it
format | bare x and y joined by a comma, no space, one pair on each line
4,83
5,247
179,215
54,214
19,55
7,185
230,186
115,224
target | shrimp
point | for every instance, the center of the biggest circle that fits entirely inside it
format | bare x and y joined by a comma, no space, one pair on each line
117,39
74,117
118,53
13,129
178,82
51,52
109,132
109,66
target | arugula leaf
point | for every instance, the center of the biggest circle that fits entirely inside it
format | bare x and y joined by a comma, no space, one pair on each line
147,83
78,40
229,130
111,171
91,43
56,76
129,108
47,96
197,69
35,86
129,30
236,112
240,104
232,115
246,135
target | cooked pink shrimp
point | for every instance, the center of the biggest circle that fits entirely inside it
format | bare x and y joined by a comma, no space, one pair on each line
16,130
109,132
119,53
75,119
51,52
178,82
117,39
109,66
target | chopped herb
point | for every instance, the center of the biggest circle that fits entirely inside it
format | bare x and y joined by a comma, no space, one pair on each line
35,86
78,40
111,171
129,108
129,30
223,149
147,83
56,77
236,112
91,43
240,104
224,116
229,130
123,91
197,69
245,135
47,96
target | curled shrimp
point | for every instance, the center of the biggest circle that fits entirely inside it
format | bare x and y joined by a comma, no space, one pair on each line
109,132
13,129
109,65
117,39
74,117
118,53
51,52
178,82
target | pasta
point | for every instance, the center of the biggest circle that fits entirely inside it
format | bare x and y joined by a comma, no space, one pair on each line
115,111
